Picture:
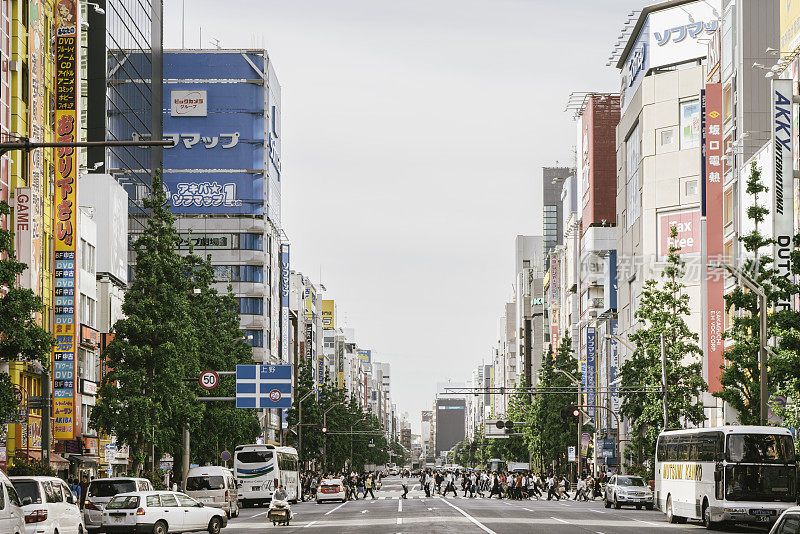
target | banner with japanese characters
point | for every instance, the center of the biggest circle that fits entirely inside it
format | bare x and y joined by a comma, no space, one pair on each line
230,192
65,223
713,153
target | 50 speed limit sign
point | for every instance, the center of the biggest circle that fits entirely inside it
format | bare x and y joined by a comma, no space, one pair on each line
209,379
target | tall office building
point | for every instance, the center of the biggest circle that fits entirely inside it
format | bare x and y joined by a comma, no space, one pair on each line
552,229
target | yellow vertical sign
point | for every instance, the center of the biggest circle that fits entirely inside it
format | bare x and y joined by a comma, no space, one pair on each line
65,290
327,314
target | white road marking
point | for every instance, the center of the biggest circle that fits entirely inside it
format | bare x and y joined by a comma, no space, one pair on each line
264,513
309,524
399,520
561,520
527,509
645,522
334,509
596,511
364,511
400,505
472,519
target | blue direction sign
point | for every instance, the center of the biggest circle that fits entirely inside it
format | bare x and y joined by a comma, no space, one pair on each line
263,386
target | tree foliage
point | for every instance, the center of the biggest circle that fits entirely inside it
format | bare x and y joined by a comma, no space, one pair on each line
741,373
663,309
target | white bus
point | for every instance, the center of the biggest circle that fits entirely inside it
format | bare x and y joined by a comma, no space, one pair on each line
260,469
730,474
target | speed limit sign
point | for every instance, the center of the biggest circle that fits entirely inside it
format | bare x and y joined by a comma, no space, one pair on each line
209,379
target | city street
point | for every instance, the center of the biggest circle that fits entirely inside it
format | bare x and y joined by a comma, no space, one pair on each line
388,513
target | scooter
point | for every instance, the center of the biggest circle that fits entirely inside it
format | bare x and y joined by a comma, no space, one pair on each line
279,512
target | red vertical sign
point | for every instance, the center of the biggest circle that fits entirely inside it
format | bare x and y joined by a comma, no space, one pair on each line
715,305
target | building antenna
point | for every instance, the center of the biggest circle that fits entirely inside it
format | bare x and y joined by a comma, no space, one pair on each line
201,37
183,25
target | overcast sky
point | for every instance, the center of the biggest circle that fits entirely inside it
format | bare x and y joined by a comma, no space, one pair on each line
414,132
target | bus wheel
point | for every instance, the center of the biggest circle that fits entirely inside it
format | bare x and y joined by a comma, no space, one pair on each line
671,517
710,525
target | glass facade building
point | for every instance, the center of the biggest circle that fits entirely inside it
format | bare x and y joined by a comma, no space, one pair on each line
125,70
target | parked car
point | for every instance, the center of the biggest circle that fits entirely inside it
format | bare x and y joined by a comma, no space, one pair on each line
788,522
214,486
12,517
49,505
331,489
628,489
101,491
160,512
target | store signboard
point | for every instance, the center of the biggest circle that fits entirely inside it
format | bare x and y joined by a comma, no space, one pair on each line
591,370
189,103
66,424
687,224
783,182
285,290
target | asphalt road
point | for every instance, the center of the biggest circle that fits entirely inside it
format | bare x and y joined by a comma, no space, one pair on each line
388,513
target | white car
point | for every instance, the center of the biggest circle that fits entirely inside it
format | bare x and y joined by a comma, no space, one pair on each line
49,505
12,518
160,512
788,522
102,490
331,489
628,489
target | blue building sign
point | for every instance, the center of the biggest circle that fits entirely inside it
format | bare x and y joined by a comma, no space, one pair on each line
218,120
591,369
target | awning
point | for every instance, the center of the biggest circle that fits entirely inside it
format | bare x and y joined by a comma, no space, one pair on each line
85,458
55,459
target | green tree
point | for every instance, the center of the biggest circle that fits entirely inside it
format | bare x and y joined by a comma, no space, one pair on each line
22,339
740,376
216,321
548,436
143,399
663,308
311,413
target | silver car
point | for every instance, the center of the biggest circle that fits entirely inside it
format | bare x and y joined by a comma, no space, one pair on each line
627,489
788,522
102,490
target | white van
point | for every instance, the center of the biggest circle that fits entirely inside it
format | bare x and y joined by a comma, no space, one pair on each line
12,518
101,490
214,486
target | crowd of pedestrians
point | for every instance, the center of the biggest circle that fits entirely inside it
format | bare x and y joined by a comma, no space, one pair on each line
516,485
355,484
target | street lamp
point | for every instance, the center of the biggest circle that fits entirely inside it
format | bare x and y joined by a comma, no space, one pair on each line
300,423
577,383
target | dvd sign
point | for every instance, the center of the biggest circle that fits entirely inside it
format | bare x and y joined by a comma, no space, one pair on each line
192,103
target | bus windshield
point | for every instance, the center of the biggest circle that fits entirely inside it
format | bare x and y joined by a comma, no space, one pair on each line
760,483
253,457
760,448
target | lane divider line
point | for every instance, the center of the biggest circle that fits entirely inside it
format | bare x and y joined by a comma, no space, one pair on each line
400,505
308,524
471,519
399,520
561,520
334,509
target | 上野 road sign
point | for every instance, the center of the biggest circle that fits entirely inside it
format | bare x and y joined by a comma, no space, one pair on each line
209,379
263,386
225,455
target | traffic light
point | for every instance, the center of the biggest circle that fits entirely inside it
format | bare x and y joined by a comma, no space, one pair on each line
507,425
570,413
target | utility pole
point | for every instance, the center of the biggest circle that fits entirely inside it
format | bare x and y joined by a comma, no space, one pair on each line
186,460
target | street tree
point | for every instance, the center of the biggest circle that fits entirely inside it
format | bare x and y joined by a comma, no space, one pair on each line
23,339
143,399
549,435
663,309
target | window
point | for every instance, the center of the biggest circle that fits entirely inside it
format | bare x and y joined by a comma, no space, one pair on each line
254,457
789,525
666,137
727,206
691,188
251,241
127,502
254,337
239,273
12,495
633,157
88,308
29,489
251,305
52,492
109,488
185,500
153,500
205,482
87,256
690,123
168,500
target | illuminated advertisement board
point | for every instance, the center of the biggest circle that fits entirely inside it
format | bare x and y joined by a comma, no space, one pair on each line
285,302
66,208
591,369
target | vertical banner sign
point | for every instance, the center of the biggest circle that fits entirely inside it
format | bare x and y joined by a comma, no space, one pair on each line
36,58
340,364
783,187
591,369
23,234
554,308
613,370
712,179
285,303
65,223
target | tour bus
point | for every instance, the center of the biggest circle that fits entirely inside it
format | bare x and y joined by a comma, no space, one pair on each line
260,469
730,474
496,466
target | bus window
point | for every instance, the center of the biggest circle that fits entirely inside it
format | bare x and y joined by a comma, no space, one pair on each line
253,457
760,448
